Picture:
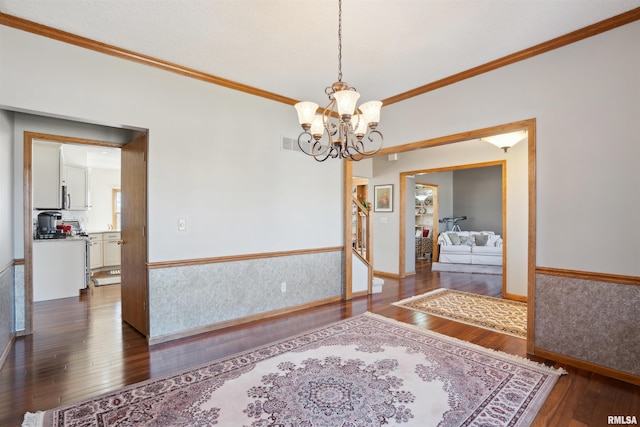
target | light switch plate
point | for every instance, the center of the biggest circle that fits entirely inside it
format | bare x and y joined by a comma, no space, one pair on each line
182,224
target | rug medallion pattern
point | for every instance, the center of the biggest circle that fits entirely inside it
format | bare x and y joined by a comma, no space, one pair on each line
364,371
496,314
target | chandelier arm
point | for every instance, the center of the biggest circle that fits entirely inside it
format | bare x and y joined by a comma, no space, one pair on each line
375,137
319,148
309,145
328,117
330,153
356,157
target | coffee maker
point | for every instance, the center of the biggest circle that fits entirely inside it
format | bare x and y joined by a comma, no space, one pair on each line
47,222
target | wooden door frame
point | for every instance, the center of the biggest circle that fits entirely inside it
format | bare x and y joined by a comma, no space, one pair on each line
530,126
27,192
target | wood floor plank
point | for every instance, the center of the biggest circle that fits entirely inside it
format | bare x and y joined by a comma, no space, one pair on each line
81,348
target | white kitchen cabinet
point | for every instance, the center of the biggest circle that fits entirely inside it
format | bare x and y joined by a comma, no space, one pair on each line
76,180
46,187
59,268
95,250
111,253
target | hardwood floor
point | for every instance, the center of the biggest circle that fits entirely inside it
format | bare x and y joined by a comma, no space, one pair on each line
81,348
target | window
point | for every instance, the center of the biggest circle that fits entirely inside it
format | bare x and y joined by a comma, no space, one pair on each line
116,208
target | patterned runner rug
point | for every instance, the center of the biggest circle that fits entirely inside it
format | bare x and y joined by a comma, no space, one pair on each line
496,314
361,372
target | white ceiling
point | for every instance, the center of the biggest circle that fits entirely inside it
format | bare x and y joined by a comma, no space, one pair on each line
289,47
92,156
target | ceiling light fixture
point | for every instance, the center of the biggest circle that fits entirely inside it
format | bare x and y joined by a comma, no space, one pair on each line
506,140
350,132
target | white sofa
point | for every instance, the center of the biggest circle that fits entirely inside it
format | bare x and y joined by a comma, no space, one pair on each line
470,247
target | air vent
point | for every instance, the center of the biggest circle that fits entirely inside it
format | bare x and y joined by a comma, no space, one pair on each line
290,144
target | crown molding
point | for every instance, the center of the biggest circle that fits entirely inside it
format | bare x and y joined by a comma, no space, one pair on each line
63,36
581,34
66,37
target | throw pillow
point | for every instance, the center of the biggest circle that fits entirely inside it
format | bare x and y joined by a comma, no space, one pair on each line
467,240
455,239
482,239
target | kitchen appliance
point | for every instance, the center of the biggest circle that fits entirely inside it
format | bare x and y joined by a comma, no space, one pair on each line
76,229
47,226
65,228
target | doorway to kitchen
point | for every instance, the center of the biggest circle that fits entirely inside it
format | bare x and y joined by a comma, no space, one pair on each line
106,218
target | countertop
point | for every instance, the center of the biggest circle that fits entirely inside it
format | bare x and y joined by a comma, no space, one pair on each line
68,239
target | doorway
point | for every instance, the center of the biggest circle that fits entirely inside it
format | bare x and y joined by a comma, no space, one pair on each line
519,272
473,199
425,220
29,138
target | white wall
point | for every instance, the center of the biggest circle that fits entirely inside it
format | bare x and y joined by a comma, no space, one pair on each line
6,189
237,191
101,185
586,98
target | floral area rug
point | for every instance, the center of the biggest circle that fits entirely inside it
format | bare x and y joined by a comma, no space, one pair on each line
496,314
361,372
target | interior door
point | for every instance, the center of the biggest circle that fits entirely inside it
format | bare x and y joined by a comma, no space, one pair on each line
134,235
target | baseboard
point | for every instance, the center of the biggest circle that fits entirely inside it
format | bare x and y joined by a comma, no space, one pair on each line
588,366
466,268
234,322
7,349
385,274
515,297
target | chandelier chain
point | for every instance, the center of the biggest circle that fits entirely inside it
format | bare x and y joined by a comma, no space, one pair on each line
339,40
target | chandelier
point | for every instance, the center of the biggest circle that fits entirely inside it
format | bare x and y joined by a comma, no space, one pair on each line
349,132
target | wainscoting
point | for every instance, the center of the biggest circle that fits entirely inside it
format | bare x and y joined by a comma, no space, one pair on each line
592,322
199,296
7,311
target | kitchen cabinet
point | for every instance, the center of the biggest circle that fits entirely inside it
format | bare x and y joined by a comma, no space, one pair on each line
111,253
59,268
95,250
46,176
76,180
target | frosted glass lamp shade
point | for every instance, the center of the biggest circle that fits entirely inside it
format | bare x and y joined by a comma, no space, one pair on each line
359,124
346,100
317,127
506,140
306,112
371,111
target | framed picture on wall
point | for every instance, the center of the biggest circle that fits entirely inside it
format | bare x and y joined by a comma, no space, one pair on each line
383,198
